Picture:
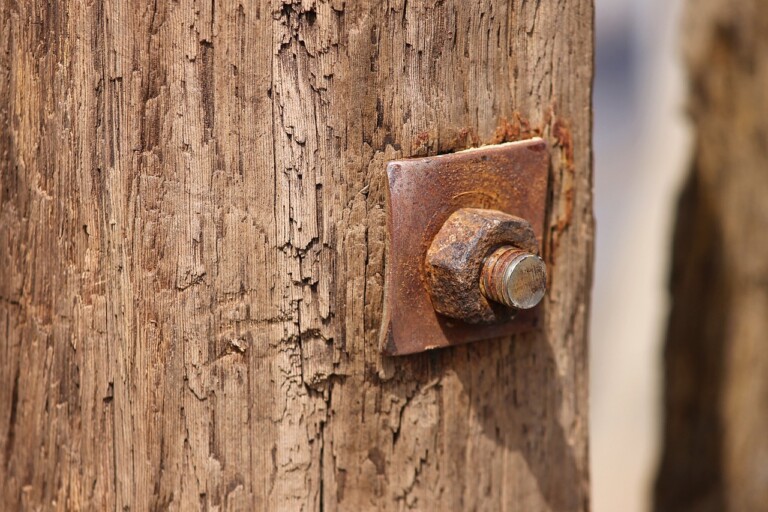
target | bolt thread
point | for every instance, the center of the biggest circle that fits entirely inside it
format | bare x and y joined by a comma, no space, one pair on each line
513,277
493,274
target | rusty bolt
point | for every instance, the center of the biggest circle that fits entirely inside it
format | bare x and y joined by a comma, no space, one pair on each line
480,261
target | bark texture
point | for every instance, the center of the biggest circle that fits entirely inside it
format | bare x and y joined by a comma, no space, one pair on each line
192,248
716,363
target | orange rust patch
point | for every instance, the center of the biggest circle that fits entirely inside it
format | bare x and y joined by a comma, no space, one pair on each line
420,144
519,128
562,212
463,138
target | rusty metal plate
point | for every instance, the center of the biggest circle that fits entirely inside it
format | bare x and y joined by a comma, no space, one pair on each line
422,194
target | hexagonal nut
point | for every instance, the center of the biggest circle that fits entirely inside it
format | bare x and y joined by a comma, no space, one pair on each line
455,258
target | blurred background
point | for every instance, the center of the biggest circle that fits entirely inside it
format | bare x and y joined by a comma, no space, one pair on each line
642,147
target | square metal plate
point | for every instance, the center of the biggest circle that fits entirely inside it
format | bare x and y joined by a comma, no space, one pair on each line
422,193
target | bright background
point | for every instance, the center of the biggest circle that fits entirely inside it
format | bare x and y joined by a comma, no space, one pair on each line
641,155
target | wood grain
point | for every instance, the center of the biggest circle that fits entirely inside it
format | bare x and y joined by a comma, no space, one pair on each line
716,364
192,247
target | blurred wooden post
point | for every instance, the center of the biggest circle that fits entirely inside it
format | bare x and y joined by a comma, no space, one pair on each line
192,249
716,358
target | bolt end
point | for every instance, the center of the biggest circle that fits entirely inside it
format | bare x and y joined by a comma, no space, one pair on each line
514,278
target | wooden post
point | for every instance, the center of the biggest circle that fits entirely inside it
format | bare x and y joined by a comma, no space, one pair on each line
716,356
192,247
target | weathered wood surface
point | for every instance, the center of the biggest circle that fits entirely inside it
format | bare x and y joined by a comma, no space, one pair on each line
716,357
192,247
